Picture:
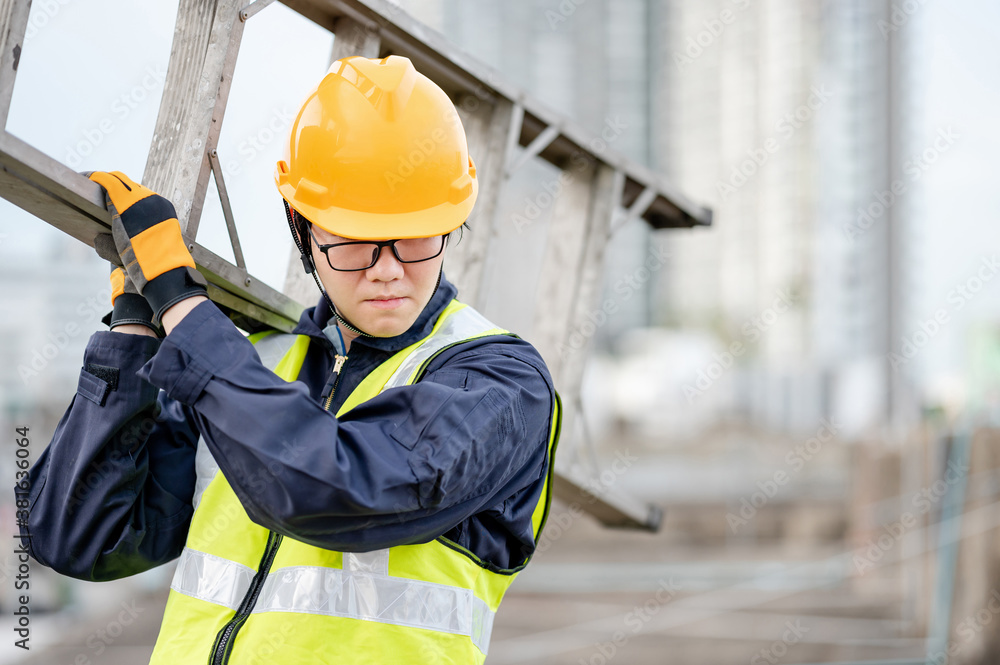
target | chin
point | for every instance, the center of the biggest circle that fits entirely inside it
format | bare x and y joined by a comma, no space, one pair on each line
384,323
389,332
388,326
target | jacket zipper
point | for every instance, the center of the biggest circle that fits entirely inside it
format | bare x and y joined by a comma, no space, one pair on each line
224,640
223,643
338,364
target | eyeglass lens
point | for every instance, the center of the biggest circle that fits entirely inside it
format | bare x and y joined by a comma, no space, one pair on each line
361,255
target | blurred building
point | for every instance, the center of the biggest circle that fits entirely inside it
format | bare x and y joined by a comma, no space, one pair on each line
55,296
793,120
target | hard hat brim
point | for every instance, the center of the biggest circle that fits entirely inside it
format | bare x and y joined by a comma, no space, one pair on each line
358,225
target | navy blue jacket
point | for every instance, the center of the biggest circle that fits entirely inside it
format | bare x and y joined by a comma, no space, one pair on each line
462,453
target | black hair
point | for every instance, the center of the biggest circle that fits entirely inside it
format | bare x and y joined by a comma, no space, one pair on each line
461,231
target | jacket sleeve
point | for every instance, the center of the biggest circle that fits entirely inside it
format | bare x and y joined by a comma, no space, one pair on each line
403,467
110,495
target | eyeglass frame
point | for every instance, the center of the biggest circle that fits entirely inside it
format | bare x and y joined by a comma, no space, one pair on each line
391,244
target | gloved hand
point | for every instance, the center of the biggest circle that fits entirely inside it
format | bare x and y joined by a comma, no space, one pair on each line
128,305
148,238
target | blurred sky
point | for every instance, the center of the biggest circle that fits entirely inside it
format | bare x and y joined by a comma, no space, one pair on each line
962,190
93,64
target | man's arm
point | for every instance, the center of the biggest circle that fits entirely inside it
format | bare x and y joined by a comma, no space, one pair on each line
404,467
110,495
176,313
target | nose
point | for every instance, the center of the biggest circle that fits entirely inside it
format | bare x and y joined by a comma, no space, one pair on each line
386,268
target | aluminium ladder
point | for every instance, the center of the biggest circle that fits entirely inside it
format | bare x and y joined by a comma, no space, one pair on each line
505,127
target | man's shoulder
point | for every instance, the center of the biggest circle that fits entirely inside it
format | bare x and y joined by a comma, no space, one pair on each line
498,353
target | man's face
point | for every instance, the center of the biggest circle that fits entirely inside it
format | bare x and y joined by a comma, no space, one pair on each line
383,300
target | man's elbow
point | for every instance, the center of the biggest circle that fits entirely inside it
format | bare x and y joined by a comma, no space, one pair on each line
71,552
63,560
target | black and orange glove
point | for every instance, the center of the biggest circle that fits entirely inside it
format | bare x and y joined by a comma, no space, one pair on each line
128,305
148,238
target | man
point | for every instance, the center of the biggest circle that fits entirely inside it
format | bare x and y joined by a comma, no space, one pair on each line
363,491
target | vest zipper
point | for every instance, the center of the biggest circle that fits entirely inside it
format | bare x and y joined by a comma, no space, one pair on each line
224,640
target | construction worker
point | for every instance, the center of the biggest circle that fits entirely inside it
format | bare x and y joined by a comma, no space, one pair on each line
361,491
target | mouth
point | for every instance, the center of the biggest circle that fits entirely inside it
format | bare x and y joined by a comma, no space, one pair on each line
386,302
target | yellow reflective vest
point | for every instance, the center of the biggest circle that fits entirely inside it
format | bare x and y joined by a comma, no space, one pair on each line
242,594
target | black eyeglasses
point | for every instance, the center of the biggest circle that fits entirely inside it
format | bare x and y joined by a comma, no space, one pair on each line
363,254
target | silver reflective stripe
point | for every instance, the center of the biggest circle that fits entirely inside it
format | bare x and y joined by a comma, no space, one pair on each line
482,624
376,562
381,598
461,325
205,468
211,578
344,593
271,350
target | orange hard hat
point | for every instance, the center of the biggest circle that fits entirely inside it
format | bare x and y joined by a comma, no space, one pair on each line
378,152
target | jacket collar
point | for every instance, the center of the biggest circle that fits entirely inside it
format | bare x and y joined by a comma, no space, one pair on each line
315,319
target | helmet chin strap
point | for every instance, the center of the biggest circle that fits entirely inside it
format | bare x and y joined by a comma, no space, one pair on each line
354,329
310,268
347,324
